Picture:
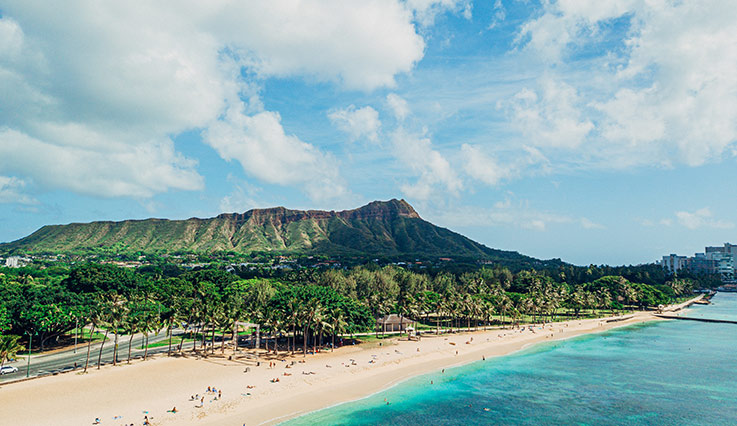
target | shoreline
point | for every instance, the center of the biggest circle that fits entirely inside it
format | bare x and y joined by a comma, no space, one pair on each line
124,394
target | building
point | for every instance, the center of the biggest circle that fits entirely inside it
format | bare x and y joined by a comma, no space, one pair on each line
700,264
15,262
674,263
393,322
714,260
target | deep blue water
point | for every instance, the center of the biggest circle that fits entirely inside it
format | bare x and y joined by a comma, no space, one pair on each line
658,373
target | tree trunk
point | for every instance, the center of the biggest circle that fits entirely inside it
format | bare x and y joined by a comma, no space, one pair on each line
115,348
235,337
145,352
89,347
171,326
130,343
304,343
204,339
99,358
212,340
258,336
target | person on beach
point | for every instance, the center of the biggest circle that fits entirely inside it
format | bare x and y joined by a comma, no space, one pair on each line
220,394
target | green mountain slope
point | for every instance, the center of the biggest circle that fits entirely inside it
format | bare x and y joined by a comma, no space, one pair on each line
379,228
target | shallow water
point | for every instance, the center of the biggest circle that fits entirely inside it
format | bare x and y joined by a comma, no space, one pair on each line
657,373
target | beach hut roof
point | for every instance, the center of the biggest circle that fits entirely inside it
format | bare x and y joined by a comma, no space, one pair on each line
393,319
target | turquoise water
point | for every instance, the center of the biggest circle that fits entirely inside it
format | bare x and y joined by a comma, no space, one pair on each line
658,373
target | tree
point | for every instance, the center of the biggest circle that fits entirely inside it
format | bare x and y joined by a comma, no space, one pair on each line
9,347
114,311
338,324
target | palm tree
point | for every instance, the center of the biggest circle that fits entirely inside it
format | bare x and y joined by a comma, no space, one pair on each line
293,311
150,323
257,297
116,312
274,321
130,326
111,316
505,304
338,324
310,313
94,317
320,320
9,348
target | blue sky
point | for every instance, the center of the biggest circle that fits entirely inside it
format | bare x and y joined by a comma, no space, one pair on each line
597,132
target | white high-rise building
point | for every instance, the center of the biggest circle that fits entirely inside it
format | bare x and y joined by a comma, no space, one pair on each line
674,263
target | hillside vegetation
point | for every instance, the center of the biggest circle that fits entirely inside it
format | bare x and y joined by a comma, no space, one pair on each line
379,228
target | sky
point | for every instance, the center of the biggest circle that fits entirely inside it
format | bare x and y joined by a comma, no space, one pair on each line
596,132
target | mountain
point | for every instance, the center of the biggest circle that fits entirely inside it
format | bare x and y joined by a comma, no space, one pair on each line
387,228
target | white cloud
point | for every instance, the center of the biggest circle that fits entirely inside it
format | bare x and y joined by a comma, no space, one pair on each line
552,117
244,197
357,122
103,87
260,144
398,106
11,191
518,214
362,44
118,168
566,23
589,224
433,170
425,11
500,14
483,167
492,171
662,92
701,218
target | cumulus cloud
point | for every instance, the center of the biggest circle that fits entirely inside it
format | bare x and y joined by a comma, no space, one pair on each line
11,191
701,218
259,143
483,167
118,168
490,170
661,93
98,90
398,106
433,169
550,117
357,122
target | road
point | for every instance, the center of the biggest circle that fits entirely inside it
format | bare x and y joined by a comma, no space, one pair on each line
65,360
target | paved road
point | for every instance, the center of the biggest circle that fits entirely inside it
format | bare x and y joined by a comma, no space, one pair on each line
65,360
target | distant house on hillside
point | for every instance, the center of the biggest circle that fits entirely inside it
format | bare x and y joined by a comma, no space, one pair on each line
393,322
16,262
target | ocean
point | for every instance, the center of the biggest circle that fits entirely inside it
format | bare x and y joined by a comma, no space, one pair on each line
656,373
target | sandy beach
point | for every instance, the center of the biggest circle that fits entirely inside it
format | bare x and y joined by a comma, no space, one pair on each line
125,394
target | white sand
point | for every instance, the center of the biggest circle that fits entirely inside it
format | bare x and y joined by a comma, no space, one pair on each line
155,386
